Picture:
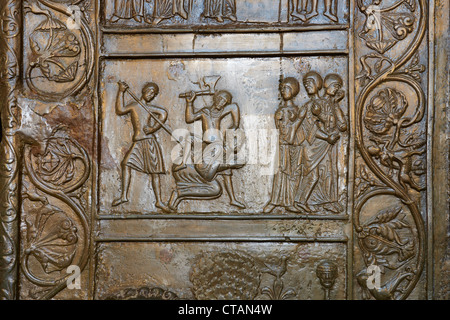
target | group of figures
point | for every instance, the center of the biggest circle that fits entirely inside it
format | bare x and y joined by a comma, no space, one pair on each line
195,179
219,10
307,176
308,136
167,9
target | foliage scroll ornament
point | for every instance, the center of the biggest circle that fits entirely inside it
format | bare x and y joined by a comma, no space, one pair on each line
56,238
59,54
10,44
143,293
386,118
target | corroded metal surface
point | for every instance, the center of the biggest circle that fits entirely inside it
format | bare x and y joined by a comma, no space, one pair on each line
224,149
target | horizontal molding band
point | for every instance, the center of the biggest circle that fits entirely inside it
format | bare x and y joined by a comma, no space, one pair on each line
219,217
222,239
239,54
209,30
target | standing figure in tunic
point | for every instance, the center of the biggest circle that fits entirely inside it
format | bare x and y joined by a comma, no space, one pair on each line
145,154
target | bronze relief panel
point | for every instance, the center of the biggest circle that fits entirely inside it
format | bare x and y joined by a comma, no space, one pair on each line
218,271
222,149
226,13
279,151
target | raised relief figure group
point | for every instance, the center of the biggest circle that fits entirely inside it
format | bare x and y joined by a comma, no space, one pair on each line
301,11
195,179
307,175
167,9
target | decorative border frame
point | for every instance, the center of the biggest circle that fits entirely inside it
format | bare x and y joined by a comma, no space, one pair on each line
433,237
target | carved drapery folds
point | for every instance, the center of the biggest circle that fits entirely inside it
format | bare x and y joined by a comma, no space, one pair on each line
53,173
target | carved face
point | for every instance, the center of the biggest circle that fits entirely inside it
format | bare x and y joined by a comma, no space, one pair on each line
220,101
310,86
333,88
327,273
286,91
149,94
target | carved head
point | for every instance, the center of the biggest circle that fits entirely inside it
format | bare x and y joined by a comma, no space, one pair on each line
150,91
289,88
313,82
221,99
332,83
327,273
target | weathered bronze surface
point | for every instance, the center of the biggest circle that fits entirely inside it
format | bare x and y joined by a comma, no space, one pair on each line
224,149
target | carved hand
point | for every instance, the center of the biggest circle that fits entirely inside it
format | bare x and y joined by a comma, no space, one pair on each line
333,138
192,97
123,86
147,130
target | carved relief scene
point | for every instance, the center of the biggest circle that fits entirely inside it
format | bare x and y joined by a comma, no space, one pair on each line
199,139
223,13
223,149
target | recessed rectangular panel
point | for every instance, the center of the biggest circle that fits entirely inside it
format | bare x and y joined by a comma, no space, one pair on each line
216,14
278,130
218,271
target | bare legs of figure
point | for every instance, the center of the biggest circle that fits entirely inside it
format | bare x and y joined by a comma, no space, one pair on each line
126,179
299,10
230,191
156,186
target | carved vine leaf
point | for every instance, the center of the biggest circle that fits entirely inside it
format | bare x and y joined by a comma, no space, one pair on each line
414,68
384,27
55,49
276,292
365,181
58,164
385,110
398,24
51,238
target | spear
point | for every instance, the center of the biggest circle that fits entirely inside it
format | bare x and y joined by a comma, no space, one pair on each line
163,125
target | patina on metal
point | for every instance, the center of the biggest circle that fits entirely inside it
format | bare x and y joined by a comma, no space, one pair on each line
224,149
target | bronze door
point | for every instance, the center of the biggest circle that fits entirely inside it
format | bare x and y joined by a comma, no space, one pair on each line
224,149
